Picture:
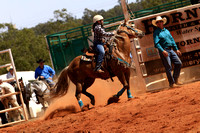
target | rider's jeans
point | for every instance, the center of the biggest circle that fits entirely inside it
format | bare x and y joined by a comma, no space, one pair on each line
172,57
101,53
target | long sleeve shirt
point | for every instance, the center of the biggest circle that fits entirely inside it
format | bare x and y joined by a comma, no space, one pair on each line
163,39
9,75
47,72
99,34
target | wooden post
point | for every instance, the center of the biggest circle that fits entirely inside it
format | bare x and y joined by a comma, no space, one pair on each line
20,94
125,11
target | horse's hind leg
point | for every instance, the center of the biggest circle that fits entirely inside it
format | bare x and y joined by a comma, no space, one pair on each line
87,84
78,94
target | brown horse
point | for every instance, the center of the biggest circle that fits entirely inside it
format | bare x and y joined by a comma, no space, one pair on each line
117,63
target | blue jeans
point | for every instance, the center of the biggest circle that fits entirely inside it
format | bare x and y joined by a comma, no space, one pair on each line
101,53
172,57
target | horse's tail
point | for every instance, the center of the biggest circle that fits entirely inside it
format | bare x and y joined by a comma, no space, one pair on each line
62,85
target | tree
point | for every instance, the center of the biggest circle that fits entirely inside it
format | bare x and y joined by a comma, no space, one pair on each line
62,15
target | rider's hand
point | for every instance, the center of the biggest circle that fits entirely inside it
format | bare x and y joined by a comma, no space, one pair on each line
41,77
178,53
165,53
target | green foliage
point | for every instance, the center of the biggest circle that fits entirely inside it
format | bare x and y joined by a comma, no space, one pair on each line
26,47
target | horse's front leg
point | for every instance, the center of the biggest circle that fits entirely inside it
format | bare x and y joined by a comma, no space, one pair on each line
127,76
28,109
124,79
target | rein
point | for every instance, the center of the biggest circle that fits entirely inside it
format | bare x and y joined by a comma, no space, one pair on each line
126,64
132,29
120,31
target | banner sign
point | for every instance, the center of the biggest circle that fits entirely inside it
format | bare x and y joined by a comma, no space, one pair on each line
183,24
188,59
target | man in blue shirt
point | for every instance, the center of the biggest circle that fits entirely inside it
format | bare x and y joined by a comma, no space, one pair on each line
44,72
166,45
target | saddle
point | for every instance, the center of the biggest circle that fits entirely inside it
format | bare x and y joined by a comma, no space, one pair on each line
89,54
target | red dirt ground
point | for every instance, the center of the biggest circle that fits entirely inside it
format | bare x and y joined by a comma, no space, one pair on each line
171,110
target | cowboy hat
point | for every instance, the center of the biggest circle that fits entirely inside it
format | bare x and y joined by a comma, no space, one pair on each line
8,68
159,18
40,61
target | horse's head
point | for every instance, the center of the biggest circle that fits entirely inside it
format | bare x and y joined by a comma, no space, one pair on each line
21,83
130,30
28,91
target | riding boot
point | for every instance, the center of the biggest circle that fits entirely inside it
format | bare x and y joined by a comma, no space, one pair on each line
98,67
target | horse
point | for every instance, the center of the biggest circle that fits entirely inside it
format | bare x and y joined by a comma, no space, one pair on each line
14,115
41,90
117,63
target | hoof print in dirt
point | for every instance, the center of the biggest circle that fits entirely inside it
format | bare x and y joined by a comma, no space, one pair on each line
85,108
113,99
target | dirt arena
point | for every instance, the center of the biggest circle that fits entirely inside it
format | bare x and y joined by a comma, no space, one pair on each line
174,110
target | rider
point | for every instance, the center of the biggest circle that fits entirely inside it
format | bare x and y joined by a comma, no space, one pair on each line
99,33
10,75
44,72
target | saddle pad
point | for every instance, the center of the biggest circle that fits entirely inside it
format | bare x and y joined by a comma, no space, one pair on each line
84,58
32,80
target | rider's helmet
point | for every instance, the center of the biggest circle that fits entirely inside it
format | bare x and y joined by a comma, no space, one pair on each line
97,18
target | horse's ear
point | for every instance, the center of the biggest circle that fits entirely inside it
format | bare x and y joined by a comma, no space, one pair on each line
21,78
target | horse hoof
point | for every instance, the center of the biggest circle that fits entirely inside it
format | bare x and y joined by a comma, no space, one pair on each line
93,102
113,99
130,99
85,107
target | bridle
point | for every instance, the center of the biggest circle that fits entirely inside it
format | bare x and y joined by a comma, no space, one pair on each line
129,27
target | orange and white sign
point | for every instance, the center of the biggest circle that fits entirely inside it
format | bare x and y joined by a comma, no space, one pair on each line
183,24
